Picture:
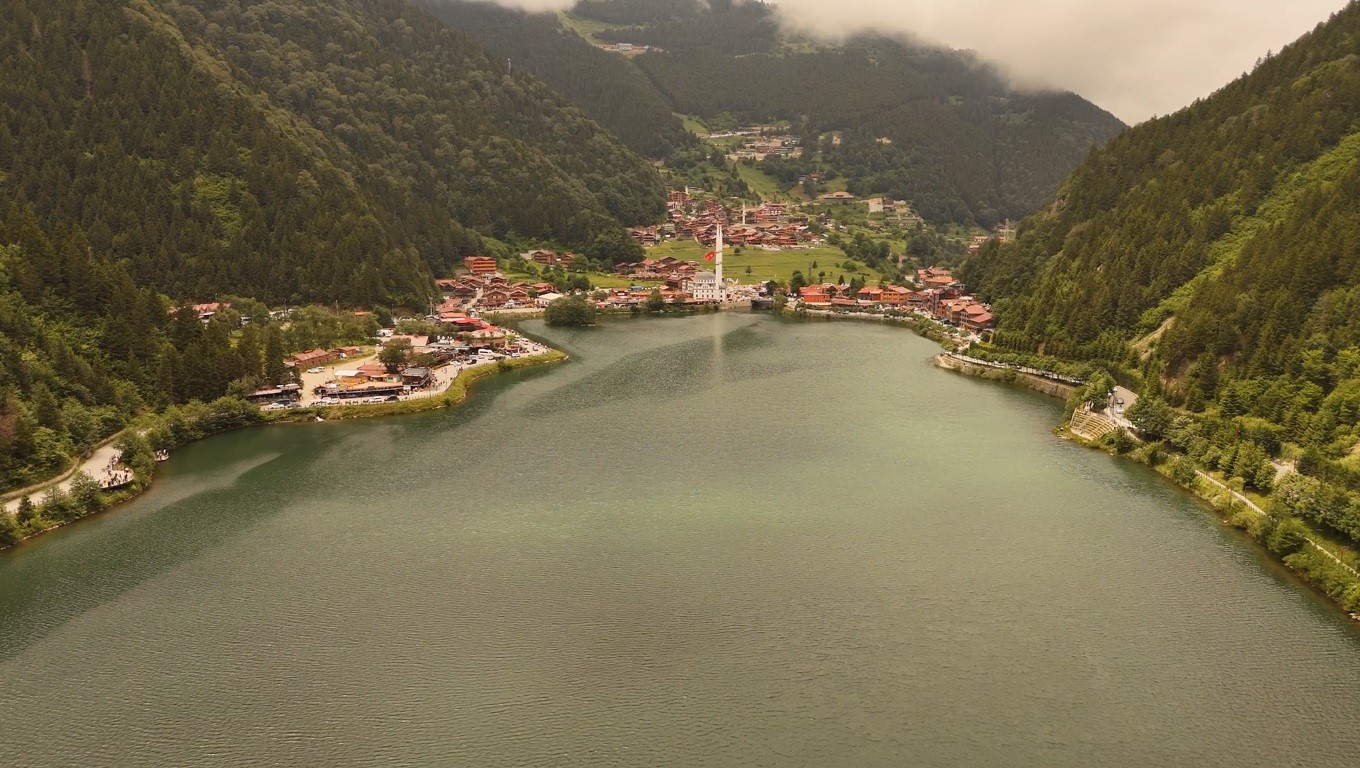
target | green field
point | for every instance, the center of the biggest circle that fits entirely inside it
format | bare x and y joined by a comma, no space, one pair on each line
597,279
586,28
761,183
692,124
768,265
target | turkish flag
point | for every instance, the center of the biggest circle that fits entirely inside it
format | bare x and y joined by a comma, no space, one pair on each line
710,255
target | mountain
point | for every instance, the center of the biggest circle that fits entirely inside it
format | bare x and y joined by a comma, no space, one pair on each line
1214,255
937,127
294,150
605,86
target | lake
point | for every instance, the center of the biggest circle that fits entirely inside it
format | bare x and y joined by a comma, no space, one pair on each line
723,540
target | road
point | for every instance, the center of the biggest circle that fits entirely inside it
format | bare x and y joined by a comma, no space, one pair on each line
1116,410
93,466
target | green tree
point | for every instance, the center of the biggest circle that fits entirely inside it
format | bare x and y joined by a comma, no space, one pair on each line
86,496
655,302
1182,471
394,354
1152,416
569,311
27,511
9,529
1288,535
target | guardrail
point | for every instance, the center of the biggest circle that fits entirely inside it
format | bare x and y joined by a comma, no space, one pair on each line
1019,368
1255,508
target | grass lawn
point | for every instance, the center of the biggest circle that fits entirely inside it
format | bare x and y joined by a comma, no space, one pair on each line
616,281
586,28
761,183
766,265
692,124
597,279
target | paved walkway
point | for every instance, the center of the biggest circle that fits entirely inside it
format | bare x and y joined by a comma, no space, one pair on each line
94,467
1254,508
1021,368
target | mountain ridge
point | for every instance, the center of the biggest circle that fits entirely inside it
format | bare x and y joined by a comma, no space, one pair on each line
932,126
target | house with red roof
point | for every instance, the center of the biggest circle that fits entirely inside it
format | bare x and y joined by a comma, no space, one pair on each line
480,265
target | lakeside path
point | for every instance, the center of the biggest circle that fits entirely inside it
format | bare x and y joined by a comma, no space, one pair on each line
1257,509
94,466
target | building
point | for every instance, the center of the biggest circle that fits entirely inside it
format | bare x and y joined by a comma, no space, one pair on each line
480,265
839,198
703,286
285,395
312,358
895,295
814,295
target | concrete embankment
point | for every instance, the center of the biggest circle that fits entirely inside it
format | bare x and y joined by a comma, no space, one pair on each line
994,372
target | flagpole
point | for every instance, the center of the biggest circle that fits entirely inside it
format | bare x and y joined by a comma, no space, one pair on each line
722,293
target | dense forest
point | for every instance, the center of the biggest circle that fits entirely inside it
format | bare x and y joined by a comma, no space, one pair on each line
83,349
606,86
1214,257
294,150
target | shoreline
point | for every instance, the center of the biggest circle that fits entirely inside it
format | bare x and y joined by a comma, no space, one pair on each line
1315,569
455,394
1314,565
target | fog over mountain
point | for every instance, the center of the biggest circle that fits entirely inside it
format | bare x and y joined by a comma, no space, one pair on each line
1136,59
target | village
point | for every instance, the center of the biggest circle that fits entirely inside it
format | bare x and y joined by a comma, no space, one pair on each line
398,367
938,296
461,333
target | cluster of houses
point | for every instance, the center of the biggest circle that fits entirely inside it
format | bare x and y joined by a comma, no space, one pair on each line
312,358
468,341
549,258
940,297
763,146
489,289
771,225
666,269
1003,233
629,49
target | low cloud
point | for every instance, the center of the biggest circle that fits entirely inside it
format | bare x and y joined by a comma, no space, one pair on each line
1136,59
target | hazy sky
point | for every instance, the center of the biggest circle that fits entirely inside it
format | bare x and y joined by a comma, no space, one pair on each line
1135,58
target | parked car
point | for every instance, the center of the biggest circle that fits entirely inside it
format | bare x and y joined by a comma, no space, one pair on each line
317,369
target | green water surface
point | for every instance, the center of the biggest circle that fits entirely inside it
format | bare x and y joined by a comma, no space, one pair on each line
725,540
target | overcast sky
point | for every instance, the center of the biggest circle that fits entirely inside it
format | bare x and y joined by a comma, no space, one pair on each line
1135,58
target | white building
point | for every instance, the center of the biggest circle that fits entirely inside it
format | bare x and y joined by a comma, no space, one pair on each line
704,287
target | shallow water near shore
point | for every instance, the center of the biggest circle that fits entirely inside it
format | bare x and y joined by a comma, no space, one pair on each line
717,540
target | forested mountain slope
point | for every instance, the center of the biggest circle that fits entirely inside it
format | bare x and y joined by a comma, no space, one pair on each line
606,86
1215,255
936,127
293,150
1237,218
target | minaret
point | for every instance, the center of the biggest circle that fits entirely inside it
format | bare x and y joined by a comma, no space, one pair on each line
717,267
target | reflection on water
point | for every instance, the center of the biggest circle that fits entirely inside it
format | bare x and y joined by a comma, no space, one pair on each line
720,540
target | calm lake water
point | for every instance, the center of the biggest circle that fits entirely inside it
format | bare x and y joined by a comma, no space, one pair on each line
724,540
